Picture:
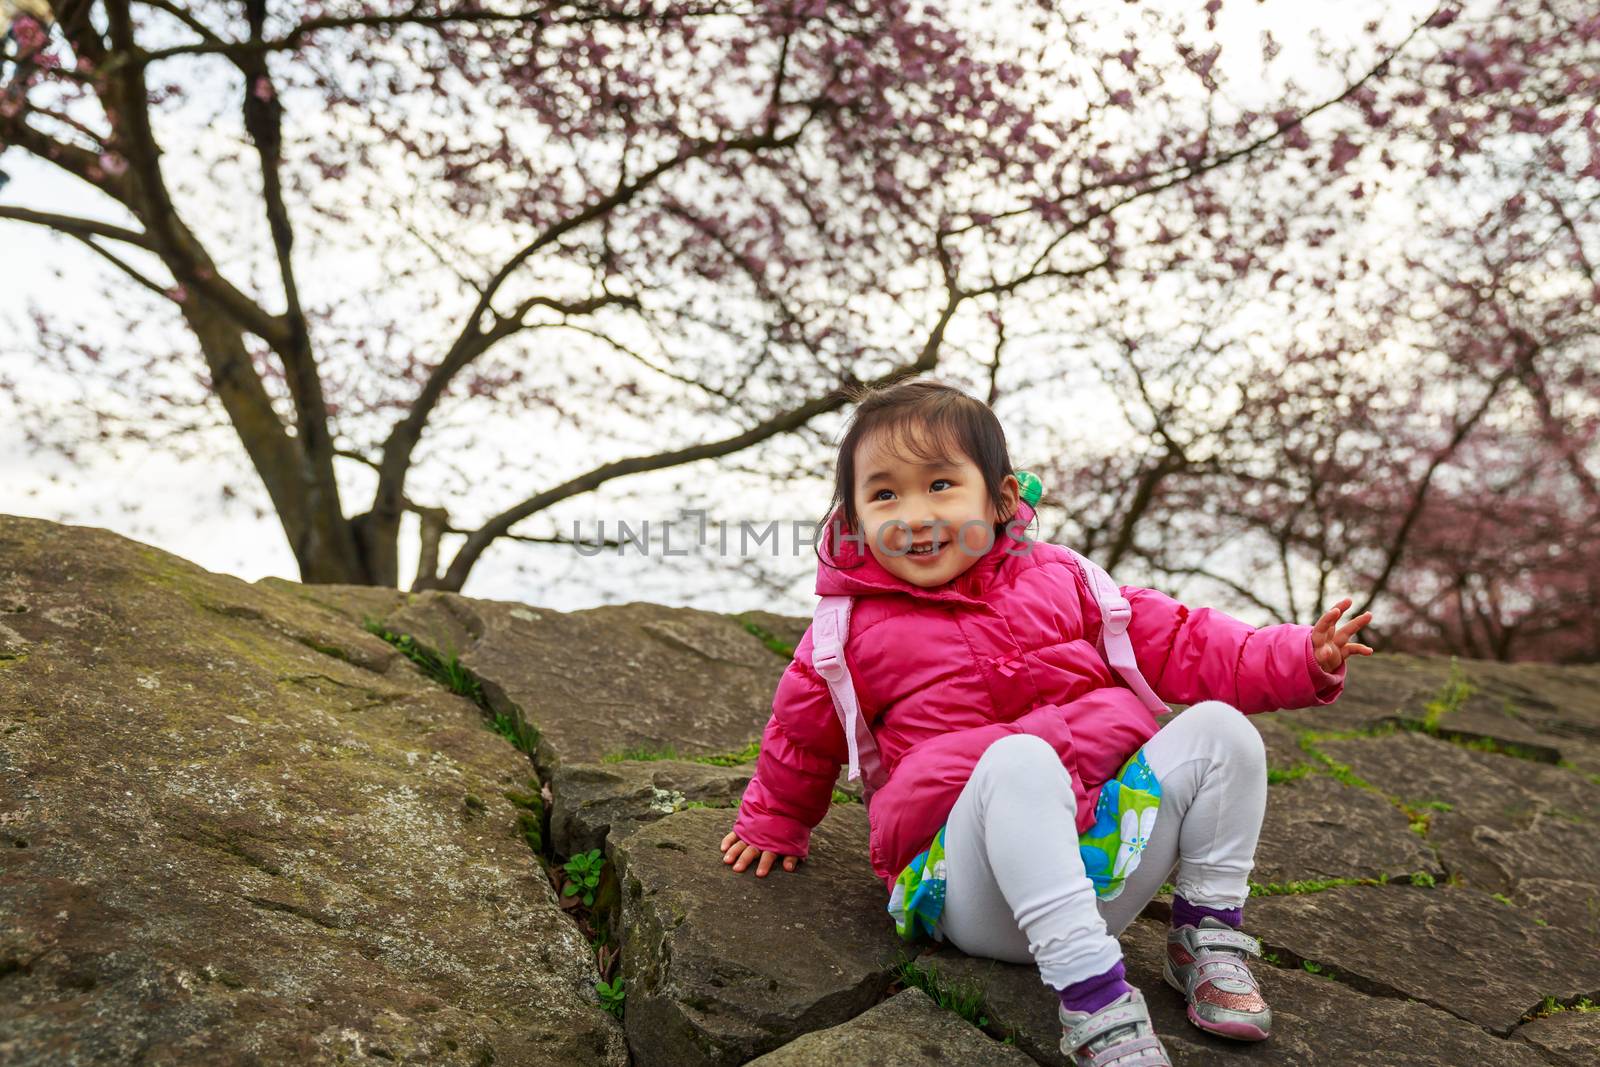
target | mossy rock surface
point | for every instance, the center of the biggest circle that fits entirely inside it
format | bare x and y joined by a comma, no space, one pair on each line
236,829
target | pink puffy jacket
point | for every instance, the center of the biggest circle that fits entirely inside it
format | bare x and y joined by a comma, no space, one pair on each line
1007,647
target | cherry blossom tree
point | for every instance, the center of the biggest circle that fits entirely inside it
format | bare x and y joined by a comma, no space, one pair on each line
1399,401
1324,289
748,205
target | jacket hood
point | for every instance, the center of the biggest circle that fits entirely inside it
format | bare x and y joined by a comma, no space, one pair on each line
847,568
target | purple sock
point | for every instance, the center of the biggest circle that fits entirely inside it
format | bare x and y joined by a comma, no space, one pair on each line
1187,914
1092,994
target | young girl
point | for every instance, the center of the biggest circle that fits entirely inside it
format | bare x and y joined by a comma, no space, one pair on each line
1031,807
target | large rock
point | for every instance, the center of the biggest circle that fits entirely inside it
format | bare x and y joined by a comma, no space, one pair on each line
1377,690
1546,712
238,829
1318,828
1281,740
785,630
593,800
1316,1021
721,967
1520,828
907,1028
1568,1038
361,604
1454,948
609,680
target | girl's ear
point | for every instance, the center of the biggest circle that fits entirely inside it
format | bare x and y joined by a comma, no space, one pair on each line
1010,493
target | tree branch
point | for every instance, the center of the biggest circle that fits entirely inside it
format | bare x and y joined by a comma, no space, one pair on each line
473,341
77,227
298,36
795,417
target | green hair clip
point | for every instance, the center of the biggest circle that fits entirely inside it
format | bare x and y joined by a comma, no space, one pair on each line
1031,487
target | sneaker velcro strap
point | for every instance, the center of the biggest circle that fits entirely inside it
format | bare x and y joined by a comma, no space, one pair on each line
1130,1014
1219,965
1137,1052
1208,938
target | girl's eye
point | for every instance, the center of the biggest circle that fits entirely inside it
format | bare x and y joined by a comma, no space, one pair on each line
879,494
946,481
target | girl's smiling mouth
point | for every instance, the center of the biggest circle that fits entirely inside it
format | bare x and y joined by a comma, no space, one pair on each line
928,551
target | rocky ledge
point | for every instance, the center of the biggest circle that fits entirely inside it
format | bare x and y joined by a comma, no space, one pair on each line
274,823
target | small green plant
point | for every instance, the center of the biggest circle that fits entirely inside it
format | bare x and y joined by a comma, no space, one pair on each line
1317,969
583,875
1502,898
1552,1006
446,668
1424,879
747,754
613,997
964,997
841,797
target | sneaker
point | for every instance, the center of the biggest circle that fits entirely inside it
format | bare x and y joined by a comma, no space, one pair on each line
1118,1035
1206,963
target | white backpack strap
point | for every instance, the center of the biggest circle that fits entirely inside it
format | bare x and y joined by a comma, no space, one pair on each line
829,631
1115,615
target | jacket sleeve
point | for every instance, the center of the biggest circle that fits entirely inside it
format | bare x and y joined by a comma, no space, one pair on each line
801,750
1193,654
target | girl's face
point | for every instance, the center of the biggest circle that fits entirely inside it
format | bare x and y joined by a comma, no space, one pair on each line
925,521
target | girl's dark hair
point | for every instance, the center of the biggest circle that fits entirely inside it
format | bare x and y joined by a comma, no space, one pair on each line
925,418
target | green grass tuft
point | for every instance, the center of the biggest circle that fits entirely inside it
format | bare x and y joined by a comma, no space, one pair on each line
1552,1006
747,754
448,670
1276,776
964,997
646,753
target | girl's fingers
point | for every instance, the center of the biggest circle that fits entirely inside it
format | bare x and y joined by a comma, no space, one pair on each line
1331,616
750,852
789,863
1349,628
766,864
727,842
1360,650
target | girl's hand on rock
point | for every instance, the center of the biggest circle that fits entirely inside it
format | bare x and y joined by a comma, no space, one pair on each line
1333,646
741,855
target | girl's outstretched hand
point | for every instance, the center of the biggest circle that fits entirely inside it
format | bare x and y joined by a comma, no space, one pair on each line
740,855
1333,646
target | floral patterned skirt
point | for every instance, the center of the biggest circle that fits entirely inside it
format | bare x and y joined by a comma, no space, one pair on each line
1111,849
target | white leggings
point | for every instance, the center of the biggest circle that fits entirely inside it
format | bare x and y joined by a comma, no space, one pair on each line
1015,884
